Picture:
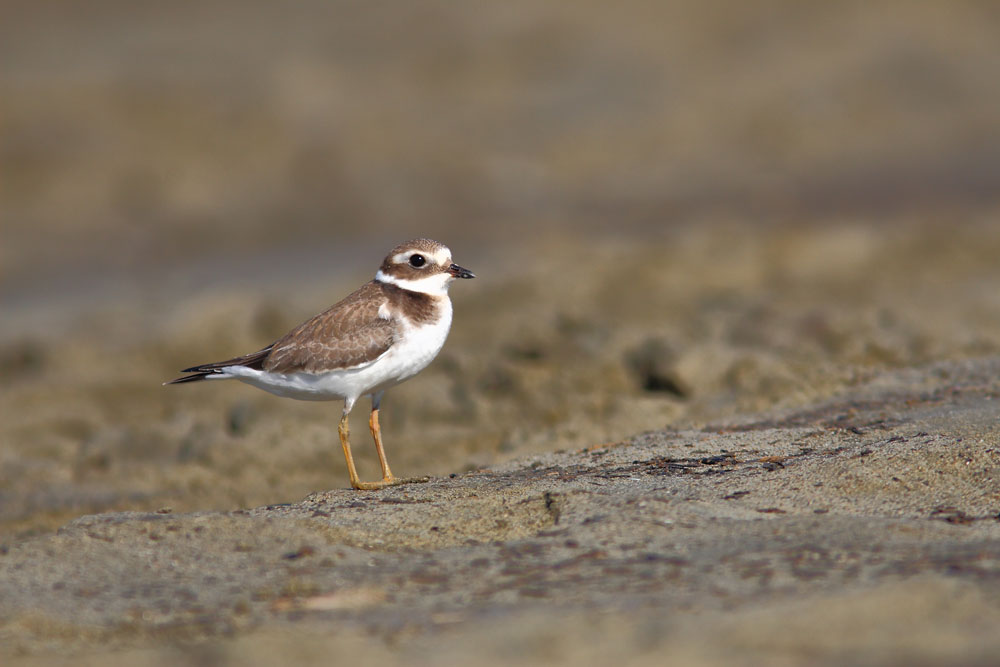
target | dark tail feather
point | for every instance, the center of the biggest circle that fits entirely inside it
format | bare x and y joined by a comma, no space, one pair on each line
252,360
188,378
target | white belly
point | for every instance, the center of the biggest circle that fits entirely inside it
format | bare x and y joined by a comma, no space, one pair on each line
417,347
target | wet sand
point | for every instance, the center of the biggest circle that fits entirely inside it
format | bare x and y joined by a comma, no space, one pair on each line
725,388
873,516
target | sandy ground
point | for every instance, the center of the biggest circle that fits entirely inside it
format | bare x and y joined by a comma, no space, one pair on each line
864,528
764,236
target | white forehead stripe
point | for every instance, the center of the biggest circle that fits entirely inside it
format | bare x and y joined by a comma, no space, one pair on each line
441,256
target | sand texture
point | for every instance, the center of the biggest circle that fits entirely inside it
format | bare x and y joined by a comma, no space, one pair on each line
724,390
865,525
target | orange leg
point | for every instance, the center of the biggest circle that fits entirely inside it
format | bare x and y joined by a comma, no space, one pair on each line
352,471
345,442
387,476
388,479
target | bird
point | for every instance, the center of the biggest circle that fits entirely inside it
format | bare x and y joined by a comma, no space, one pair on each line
380,335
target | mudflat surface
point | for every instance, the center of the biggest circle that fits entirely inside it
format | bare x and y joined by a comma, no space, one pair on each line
763,236
786,536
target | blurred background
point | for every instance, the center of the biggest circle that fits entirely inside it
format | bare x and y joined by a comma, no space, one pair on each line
679,212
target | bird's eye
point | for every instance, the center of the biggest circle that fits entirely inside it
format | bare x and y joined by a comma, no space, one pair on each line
416,261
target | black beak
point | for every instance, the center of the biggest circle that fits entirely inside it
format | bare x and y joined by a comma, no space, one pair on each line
459,272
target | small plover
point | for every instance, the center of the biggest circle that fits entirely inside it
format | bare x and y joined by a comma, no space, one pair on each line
386,332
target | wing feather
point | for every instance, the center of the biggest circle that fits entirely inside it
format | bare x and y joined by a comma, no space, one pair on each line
349,334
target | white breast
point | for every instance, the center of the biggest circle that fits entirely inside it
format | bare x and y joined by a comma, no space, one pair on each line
417,347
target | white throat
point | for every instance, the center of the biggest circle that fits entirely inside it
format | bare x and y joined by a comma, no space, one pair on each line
435,285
